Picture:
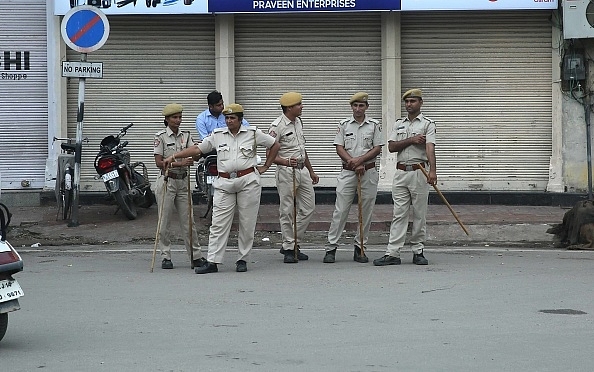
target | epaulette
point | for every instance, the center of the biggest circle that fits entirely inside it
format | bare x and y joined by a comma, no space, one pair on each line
374,121
344,121
429,120
219,130
161,132
251,127
276,121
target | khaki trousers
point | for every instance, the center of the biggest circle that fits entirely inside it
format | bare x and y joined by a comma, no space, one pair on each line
306,203
242,195
409,188
176,199
346,189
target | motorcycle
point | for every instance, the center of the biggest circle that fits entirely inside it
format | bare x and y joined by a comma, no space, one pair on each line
128,187
10,264
206,173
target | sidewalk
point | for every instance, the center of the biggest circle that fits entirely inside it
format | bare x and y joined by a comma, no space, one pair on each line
489,225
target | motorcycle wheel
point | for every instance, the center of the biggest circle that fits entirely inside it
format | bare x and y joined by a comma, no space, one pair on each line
126,204
3,324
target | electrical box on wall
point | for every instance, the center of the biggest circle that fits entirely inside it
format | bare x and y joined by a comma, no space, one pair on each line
574,67
578,19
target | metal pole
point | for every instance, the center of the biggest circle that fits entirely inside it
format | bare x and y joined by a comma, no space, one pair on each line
587,112
79,136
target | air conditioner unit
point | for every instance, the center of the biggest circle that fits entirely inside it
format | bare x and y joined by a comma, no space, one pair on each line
578,19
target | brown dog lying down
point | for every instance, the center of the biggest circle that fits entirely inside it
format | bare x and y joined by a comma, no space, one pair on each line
577,229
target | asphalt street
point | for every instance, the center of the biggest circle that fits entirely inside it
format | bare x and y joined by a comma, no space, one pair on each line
474,309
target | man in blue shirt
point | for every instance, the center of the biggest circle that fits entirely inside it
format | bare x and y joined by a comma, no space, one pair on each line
213,118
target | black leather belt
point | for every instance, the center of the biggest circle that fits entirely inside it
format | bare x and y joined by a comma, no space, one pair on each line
240,173
410,167
367,166
177,176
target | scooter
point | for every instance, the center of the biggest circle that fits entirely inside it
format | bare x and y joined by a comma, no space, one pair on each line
128,187
10,264
206,173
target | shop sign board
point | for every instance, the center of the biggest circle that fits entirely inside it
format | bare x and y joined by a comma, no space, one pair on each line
133,7
264,6
478,4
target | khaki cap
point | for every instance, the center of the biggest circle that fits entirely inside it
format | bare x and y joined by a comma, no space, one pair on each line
172,108
290,99
359,97
412,93
233,108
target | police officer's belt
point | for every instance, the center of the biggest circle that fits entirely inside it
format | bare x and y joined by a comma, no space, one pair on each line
240,173
177,176
298,166
411,167
367,166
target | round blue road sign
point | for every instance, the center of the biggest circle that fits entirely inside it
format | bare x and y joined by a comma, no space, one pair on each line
85,28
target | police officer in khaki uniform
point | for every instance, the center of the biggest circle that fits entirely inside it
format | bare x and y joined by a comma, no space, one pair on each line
358,142
167,142
413,138
292,160
237,188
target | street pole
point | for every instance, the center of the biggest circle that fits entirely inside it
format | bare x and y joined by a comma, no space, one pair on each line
587,112
77,154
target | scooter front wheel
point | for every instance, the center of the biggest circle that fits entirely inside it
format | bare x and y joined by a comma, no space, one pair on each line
3,324
126,204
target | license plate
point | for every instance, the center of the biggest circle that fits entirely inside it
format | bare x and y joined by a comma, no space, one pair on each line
210,179
10,290
110,176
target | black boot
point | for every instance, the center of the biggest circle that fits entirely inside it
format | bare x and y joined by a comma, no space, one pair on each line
358,257
210,267
290,256
330,256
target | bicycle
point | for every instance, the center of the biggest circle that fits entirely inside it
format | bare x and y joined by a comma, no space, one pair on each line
64,188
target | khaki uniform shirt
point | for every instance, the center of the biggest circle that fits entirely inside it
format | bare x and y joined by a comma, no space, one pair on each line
168,143
235,153
357,139
404,128
290,136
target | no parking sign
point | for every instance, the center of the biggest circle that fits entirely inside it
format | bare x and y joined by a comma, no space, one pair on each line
85,28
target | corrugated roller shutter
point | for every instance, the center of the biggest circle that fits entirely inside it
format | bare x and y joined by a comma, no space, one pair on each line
326,57
147,62
486,79
23,93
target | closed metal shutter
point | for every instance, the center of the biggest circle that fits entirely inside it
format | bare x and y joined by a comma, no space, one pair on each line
326,57
486,80
23,93
148,62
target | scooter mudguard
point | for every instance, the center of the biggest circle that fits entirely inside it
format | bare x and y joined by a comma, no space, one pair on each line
113,185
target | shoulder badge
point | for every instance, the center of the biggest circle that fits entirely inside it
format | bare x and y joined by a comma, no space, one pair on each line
157,142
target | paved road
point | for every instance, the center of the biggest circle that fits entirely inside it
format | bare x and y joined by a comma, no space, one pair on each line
86,309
